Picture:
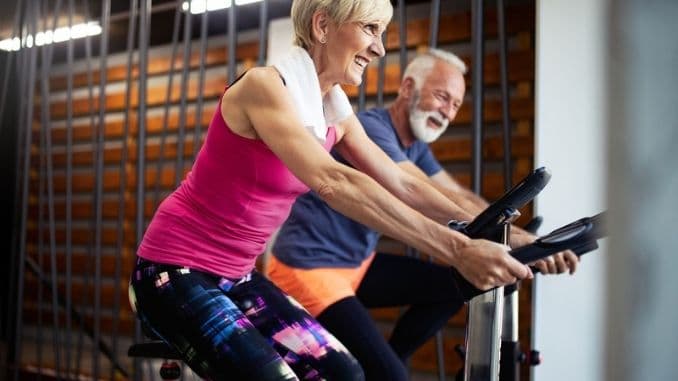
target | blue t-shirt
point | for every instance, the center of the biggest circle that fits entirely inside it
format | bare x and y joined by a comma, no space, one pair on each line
315,235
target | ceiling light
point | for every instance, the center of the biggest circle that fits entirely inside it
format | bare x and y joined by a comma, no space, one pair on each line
199,6
49,37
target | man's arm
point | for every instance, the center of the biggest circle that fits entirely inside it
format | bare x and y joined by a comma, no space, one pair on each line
474,204
446,183
365,155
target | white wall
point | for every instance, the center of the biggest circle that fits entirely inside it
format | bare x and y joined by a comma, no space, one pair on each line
570,133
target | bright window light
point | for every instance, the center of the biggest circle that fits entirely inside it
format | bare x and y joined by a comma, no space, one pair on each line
49,37
200,6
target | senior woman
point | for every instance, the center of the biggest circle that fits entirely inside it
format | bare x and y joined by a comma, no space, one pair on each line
195,282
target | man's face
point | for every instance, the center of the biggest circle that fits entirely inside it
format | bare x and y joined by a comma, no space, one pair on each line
437,102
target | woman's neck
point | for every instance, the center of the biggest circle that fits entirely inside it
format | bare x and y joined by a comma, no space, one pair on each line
320,63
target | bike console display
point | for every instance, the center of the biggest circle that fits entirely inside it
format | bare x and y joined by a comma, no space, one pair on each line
487,224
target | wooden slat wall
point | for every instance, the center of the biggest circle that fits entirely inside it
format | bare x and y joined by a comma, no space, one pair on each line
453,150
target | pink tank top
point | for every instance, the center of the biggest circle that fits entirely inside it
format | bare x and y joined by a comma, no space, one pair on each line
221,216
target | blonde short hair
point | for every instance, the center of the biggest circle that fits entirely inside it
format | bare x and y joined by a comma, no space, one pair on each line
423,63
339,11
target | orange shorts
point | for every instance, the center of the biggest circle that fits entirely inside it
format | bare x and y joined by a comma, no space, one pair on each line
317,289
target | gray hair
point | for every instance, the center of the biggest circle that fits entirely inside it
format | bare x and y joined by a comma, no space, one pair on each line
339,11
423,63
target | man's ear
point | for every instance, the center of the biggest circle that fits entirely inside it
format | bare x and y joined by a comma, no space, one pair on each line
407,88
320,26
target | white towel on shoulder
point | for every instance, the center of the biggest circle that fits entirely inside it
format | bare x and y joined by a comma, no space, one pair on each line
301,79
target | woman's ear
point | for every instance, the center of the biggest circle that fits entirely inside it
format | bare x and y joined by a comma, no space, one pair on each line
320,26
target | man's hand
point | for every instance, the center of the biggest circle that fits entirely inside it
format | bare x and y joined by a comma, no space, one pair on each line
555,264
558,263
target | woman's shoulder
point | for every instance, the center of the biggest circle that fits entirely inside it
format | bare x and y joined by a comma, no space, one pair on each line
259,82
262,76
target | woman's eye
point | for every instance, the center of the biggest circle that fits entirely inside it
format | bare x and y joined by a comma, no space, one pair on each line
373,29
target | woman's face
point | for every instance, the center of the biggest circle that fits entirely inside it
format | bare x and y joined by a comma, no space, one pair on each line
349,49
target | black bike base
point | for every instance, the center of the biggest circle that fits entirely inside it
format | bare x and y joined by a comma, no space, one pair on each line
153,349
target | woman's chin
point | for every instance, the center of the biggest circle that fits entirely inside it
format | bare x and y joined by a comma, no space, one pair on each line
353,77
354,80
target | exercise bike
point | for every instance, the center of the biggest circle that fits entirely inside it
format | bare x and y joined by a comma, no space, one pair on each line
492,350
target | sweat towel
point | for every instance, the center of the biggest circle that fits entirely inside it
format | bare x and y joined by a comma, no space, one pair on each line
298,71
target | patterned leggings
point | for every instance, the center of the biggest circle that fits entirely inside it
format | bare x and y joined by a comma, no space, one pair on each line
238,330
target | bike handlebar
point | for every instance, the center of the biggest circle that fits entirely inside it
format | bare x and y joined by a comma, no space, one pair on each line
580,236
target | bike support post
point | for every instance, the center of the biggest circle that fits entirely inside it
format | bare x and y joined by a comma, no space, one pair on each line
485,324
510,346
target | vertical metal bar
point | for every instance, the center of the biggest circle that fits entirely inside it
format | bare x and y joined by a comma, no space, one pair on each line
380,75
440,354
508,359
69,185
185,77
144,16
103,59
510,370
120,238
90,113
24,199
232,42
168,98
197,127
434,24
40,10
41,245
433,42
402,35
144,21
263,32
47,131
478,51
361,93
505,100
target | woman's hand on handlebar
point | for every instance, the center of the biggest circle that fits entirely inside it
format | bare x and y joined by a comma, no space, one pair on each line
487,264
